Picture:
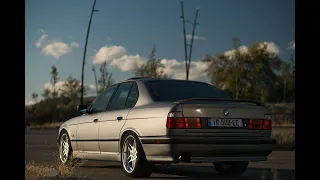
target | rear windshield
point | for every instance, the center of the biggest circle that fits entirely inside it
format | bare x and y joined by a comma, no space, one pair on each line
174,90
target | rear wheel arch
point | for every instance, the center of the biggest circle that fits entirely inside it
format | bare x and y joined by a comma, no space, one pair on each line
123,135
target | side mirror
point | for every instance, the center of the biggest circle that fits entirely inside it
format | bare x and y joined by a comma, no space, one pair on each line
82,109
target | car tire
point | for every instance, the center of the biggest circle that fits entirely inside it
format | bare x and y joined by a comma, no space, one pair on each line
133,158
65,149
231,168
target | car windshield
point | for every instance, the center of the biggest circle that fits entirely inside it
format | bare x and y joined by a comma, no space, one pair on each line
174,90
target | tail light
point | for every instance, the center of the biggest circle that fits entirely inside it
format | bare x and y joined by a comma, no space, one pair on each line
265,124
255,124
180,122
175,123
192,123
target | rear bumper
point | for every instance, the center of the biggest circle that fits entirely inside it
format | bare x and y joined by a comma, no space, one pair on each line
206,149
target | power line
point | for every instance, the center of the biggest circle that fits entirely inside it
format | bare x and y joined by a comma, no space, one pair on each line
85,49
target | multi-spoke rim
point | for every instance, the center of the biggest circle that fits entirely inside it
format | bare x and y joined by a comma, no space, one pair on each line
129,153
64,148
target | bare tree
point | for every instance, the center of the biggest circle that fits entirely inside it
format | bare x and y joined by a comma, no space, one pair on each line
54,80
105,77
35,97
153,67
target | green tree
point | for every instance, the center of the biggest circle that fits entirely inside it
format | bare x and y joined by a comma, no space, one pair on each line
54,80
153,67
71,88
287,82
247,73
105,79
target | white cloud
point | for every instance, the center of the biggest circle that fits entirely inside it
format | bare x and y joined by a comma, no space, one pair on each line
56,49
271,47
173,68
108,53
42,39
91,89
108,38
91,86
75,44
59,86
29,103
230,53
127,62
189,36
291,45
177,69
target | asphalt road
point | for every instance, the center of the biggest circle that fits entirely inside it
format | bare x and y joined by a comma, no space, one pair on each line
40,147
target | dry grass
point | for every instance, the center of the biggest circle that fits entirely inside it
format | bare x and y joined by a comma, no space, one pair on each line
45,126
66,171
289,125
69,169
284,136
33,171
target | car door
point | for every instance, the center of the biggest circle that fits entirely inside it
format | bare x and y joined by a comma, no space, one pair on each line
88,126
114,118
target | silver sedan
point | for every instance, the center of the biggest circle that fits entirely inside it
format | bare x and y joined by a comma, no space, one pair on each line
144,121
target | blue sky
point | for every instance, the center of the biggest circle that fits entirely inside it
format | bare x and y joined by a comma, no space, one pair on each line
123,33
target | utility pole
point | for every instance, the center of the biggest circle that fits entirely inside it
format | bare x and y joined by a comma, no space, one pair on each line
85,49
184,37
95,77
193,31
188,59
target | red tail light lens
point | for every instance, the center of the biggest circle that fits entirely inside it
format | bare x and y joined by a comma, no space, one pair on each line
260,124
192,123
175,123
183,123
267,125
255,124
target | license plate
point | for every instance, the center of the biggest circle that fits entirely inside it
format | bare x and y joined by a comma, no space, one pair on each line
225,123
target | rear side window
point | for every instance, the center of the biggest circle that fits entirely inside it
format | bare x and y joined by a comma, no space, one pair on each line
133,96
120,97
175,90
100,104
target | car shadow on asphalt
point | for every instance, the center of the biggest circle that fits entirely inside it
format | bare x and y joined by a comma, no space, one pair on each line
108,166
207,172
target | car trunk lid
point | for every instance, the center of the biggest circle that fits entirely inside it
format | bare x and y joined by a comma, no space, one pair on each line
223,118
